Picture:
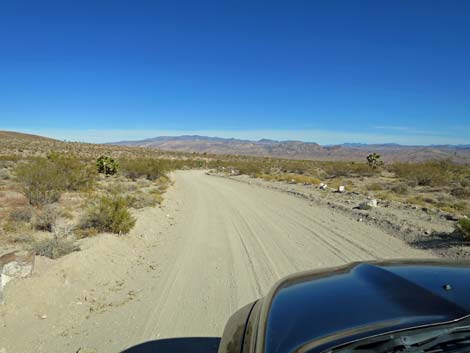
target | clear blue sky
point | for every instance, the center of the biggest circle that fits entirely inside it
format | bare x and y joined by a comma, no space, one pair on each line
326,71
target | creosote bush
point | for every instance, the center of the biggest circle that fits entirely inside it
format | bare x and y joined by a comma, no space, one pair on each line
463,227
109,214
44,179
431,173
151,169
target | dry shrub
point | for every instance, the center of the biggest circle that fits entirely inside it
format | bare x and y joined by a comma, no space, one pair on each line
85,233
142,199
55,248
21,215
46,218
22,238
461,193
375,187
13,227
401,189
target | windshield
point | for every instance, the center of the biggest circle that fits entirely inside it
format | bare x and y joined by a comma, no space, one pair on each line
164,163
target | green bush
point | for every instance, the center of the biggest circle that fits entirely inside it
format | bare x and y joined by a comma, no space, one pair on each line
107,165
54,248
431,173
151,169
463,227
109,214
5,174
44,179
41,182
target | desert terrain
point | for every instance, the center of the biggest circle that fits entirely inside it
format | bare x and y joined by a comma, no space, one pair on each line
134,244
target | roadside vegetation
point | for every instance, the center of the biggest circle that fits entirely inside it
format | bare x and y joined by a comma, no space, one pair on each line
438,184
53,193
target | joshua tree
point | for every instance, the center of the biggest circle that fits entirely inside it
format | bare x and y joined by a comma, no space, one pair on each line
373,160
107,165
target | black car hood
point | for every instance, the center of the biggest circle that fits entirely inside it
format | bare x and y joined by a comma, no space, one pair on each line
318,310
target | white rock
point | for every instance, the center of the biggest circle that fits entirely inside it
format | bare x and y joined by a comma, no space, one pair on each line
15,265
17,269
368,204
341,188
4,280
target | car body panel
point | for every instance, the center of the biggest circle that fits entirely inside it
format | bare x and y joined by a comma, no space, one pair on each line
317,310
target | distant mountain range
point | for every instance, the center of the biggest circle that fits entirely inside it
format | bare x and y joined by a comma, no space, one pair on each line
302,150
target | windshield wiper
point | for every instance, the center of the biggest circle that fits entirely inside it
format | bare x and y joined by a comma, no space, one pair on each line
452,340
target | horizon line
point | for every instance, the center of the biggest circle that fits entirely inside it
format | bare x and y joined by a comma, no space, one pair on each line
320,137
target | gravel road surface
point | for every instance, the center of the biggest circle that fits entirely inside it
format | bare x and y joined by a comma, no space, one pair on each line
216,245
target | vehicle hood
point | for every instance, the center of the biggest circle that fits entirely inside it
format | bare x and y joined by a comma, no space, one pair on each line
318,310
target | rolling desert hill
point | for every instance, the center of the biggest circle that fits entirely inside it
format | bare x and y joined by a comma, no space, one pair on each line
12,135
301,150
27,145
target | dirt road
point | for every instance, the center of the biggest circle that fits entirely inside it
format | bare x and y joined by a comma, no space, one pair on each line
217,245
